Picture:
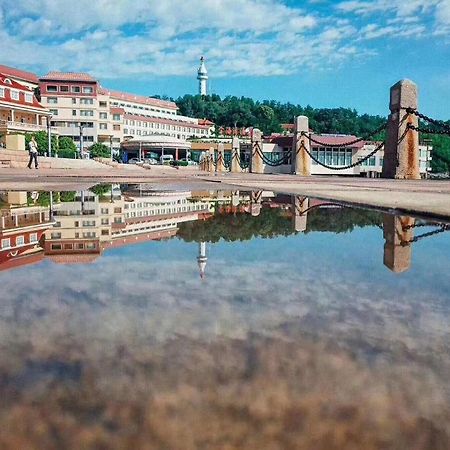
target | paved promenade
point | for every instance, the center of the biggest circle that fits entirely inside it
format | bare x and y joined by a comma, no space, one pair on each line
429,197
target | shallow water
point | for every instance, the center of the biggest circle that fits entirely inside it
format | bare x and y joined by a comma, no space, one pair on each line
198,320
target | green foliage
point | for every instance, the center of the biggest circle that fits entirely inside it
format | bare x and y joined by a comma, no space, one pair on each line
273,222
67,196
268,115
41,138
440,155
67,148
98,150
101,189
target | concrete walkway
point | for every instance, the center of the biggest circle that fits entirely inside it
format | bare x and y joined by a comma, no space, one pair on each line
428,197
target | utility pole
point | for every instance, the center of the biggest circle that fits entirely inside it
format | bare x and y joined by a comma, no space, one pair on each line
49,136
81,139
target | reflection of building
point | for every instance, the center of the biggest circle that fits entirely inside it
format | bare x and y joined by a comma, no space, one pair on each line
22,231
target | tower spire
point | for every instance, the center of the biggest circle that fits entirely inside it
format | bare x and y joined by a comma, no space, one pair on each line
202,258
202,77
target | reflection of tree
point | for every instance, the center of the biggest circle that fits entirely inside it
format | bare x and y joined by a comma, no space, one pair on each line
341,220
273,222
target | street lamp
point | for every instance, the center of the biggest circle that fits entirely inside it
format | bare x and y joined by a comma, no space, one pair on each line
81,126
49,136
110,146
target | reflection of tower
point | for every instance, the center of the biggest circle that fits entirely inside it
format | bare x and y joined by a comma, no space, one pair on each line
202,258
398,232
202,77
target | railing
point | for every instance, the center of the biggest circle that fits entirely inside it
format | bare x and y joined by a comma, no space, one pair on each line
25,126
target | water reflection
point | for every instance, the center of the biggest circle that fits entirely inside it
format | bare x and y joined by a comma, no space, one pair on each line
77,227
296,336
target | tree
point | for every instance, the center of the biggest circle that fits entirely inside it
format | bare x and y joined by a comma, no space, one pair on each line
41,138
99,151
67,148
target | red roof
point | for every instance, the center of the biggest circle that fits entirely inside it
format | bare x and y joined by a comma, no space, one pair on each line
205,122
68,76
114,110
117,95
22,90
21,74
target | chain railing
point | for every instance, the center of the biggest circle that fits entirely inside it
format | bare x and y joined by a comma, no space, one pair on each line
348,166
428,130
435,122
443,228
349,143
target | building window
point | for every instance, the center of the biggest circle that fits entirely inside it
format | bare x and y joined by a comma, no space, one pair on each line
86,101
55,235
74,112
29,98
56,247
52,100
86,112
54,112
74,101
103,126
103,104
6,243
88,223
52,88
33,238
116,127
14,95
116,116
2,92
20,240
75,89
103,115
64,88
87,90
90,246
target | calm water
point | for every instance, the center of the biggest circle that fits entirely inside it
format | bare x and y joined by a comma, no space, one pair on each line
135,319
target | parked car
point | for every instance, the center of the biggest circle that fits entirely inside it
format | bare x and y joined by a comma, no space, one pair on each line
166,159
150,161
134,161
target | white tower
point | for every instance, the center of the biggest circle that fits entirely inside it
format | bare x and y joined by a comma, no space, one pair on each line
202,78
202,258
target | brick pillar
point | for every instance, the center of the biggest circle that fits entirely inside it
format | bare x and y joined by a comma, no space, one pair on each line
401,152
220,157
398,231
300,206
301,161
255,204
235,155
256,161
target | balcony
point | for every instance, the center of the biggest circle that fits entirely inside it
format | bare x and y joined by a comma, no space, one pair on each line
10,126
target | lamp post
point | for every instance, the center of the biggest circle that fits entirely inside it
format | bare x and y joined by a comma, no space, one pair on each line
49,136
81,126
110,146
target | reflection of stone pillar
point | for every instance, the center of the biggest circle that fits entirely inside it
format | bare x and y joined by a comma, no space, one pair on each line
235,155
398,231
300,206
211,159
220,158
401,153
235,199
202,258
301,161
255,205
256,162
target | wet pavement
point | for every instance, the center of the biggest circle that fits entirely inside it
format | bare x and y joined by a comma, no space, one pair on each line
132,317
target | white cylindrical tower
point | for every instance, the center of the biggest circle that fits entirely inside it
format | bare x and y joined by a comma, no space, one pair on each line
202,77
202,258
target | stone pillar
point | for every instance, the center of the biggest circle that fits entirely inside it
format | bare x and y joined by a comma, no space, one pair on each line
212,168
15,142
401,150
256,165
220,157
235,198
235,156
301,161
398,231
300,206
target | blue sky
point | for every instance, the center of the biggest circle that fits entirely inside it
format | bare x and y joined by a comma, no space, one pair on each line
319,52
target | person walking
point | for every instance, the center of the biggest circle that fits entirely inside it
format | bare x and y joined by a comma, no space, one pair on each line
32,146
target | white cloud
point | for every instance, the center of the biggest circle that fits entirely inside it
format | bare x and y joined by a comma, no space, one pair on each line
142,38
